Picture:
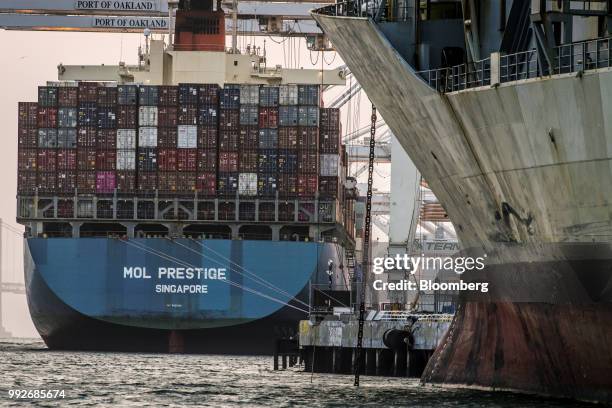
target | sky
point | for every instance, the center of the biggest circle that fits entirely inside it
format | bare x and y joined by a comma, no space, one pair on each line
29,59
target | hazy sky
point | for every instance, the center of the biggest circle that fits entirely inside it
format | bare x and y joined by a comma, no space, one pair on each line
29,59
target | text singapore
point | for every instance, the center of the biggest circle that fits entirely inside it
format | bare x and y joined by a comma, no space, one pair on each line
177,273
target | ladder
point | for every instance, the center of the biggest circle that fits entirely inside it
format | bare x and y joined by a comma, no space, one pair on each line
349,255
366,248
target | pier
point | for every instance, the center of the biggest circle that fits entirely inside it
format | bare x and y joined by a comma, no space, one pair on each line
394,343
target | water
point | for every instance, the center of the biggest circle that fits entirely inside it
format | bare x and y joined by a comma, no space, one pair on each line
215,381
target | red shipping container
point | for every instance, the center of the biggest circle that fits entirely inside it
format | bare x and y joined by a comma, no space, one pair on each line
105,182
187,159
147,181
167,181
207,160
167,116
47,117
106,96
68,97
127,117
167,137
46,181
186,182
86,137
86,181
66,159
168,95
86,159
228,140
329,141
46,160
27,115
106,159
308,138
206,184
329,117
207,137
307,185
287,185
26,159
247,161
27,137
166,159
308,162
208,94
66,181
126,181
229,119
88,91
228,162
288,137
248,137
26,182
268,118
188,115
107,139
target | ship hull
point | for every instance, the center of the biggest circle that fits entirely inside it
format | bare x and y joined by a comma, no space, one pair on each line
523,172
539,348
76,309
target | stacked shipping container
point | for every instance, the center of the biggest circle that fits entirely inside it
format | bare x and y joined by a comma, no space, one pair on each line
249,140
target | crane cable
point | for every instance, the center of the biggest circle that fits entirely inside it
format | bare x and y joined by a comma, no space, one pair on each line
366,248
247,273
187,264
263,282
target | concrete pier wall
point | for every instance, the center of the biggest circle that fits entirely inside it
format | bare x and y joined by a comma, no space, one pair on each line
330,346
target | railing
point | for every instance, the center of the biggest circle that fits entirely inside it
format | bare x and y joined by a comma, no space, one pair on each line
522,65
566,58
369,8
139,208
459,77
583,56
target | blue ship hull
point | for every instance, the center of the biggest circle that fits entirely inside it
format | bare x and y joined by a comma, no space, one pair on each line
156,294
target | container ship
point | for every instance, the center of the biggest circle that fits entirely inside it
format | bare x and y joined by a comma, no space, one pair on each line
504,107
193,203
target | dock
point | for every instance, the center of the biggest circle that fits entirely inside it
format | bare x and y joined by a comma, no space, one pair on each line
394,343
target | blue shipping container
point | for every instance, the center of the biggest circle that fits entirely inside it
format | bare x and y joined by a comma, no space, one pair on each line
267,160
268,138
229,98
88,114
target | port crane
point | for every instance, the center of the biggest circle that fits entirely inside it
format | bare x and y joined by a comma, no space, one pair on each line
249,18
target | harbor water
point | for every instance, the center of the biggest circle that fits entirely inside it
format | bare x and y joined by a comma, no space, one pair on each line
127,379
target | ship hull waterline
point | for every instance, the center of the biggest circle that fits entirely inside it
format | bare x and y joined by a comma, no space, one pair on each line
104,310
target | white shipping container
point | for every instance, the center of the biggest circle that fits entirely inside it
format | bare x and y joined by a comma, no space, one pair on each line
187,137
147,116
126,138
126,159
147,137
249,94
247,184
330,165
288,95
